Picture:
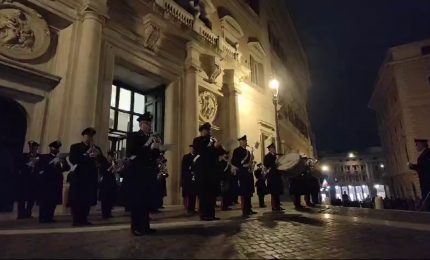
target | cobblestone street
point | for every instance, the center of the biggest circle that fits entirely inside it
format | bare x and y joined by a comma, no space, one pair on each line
310,234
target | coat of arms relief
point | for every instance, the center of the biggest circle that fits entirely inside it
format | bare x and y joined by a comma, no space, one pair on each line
24,34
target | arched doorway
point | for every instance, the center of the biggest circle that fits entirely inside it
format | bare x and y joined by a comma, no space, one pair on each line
12,138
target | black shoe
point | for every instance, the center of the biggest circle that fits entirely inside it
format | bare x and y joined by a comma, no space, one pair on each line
206,219
263,206
281,209
137,233
87,223
215,218
191,212
149,231
226,209
253,212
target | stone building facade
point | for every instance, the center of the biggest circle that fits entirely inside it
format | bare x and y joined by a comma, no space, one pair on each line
401,100
359,174
66,65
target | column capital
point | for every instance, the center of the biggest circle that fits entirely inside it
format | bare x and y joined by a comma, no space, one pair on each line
192,60
94,7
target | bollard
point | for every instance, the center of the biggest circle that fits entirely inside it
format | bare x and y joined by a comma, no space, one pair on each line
379,203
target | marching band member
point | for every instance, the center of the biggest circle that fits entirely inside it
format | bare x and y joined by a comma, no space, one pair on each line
274,178
242,160
205,162
50,182
260,184
188,182
27,180
108,186
84,180
224,172
143,152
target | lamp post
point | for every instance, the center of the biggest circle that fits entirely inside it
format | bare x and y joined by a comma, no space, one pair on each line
274,85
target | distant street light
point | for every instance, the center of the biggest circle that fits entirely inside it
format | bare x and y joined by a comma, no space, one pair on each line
382,166
325,168
351,155
274,85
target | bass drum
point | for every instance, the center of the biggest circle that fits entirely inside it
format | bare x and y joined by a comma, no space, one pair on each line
288,161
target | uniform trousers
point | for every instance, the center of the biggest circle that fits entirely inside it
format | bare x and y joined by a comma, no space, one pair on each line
80,213
246,204
25,208
139,218
46,211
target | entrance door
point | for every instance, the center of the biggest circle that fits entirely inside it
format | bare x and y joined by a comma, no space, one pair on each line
155,104
12,138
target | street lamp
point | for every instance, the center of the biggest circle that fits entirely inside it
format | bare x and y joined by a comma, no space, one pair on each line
274,85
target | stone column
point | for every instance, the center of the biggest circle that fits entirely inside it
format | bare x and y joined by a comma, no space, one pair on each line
190,111
85,75
231,111
172,136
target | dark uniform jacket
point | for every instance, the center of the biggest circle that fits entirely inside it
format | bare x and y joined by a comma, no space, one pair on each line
423,169
242,160
27,177
205,165
224,172
274,178
50,179
261,181
84,179
187,176
108,186
141,178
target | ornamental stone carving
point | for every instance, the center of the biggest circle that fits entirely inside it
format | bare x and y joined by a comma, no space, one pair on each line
210,64
208,106
152,36
24,34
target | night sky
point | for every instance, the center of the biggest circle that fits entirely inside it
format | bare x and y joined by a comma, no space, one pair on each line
346,42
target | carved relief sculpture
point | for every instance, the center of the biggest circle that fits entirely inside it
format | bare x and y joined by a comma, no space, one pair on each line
152,36
24,34
208,106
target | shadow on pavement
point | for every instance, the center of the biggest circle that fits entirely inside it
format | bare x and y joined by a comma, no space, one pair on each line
270,219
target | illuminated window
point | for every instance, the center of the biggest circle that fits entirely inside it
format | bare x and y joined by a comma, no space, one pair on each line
125,106
257,72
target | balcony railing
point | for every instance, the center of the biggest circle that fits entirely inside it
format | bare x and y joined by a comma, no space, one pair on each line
172,8
180,14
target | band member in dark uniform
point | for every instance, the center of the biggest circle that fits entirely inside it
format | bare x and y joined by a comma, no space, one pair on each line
188,182
108,187
50,182
224,172
242,160
274,178
162,176
87,159
27,177
205,148
423,169
260,184
142,151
